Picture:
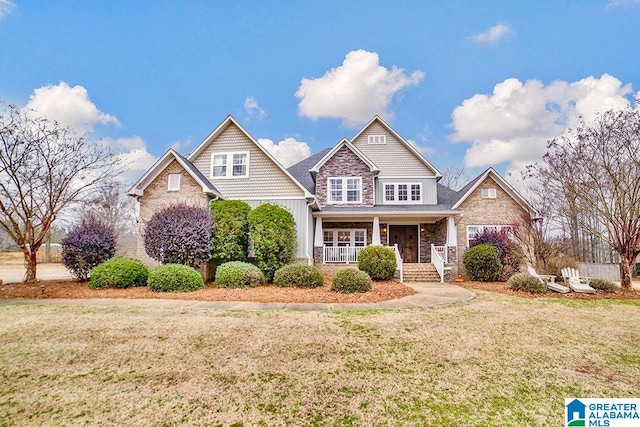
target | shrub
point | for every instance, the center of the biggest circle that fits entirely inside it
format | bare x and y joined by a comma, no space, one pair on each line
482,263
230,237
300,276
119,273
238,274
526,282
179,234
349,280
174,278
272,231
603,285
510,253
86,246
379,262
555,265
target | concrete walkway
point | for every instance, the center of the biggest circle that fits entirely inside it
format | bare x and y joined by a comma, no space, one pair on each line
427,294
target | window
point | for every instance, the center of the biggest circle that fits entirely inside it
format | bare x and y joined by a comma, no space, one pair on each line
488,193
355,237
345,190
475,230
230,165
377,139
402,193
173,182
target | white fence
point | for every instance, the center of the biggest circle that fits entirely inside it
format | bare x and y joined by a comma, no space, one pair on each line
600,271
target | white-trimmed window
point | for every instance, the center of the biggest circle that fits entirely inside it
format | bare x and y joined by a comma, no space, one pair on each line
402,193
489,193
474,231
377,139
173,182
344,190
345,237
230,165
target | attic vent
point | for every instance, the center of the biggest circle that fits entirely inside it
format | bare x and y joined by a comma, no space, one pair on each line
488,193
377,139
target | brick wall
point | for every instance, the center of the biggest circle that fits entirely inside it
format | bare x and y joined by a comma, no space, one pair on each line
345,163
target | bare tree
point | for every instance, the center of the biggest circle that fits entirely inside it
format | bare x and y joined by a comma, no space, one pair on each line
43,169
111,206
593,178
454,178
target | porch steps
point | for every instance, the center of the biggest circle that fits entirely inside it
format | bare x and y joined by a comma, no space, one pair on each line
420,273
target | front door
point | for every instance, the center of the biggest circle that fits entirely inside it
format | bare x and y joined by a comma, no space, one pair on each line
406,236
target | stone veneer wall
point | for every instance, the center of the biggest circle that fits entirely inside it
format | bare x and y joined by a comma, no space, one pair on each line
427,237
345,163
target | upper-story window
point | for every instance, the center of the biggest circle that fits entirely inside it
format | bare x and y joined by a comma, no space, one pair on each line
377,139
402,193
230,165
344,190
489,193
173,182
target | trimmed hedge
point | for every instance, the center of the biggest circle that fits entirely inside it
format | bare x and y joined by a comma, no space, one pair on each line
300,276
482,263
238,274
527,282
174,278
603,285
350,280
118,272
379,262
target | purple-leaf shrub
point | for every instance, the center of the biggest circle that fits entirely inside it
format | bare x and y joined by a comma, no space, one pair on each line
179,234
510,253
86,246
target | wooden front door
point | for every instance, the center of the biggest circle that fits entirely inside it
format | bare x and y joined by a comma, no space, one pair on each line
406,236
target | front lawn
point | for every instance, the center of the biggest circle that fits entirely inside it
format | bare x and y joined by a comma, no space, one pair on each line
495,360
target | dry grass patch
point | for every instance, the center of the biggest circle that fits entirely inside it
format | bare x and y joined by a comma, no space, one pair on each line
496,360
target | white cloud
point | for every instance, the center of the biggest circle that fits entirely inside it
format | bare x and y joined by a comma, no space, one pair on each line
6,8
69,106
133,156
354,91
424,150
514,123
622,3
252,108
288,151
493,34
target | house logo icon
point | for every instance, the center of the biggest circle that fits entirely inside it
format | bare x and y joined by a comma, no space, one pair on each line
576,413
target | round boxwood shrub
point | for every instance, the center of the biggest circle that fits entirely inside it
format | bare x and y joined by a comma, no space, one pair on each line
349,280
602,285
379,262
174,278
526,282
300,276
119,272
482,263
238,274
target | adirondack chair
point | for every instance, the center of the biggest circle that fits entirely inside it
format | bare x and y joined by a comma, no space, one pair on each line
578,284
549,280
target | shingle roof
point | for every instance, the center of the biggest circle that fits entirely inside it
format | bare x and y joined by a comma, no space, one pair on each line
300,170
193,170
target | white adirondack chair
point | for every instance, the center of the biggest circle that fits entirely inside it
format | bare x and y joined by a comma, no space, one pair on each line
549,280
578,284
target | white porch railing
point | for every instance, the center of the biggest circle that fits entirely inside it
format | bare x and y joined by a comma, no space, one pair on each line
341,254
398,263
444,254
438,261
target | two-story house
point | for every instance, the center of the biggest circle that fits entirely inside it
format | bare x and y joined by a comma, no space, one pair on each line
374,189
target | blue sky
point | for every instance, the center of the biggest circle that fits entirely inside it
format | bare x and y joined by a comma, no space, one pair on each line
471,83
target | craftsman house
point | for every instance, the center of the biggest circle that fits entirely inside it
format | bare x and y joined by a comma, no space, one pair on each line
374,189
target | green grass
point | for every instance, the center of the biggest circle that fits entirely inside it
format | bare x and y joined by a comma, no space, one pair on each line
495,360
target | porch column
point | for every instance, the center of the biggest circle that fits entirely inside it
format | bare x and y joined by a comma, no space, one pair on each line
318,240
376,231
452,232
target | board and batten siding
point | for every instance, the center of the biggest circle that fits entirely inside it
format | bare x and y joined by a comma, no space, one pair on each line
393,158
266,179
429,189
300,211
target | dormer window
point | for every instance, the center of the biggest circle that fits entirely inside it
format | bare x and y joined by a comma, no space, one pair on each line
230,165
173,182
377,139
489,193
344,190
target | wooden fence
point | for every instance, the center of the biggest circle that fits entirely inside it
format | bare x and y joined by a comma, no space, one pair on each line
600,271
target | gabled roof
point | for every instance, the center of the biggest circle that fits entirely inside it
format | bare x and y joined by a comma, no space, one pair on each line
300,170
138,188
344,143
466,191
402,141
221,127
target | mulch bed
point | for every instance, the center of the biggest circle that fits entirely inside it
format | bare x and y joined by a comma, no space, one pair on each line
503,288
